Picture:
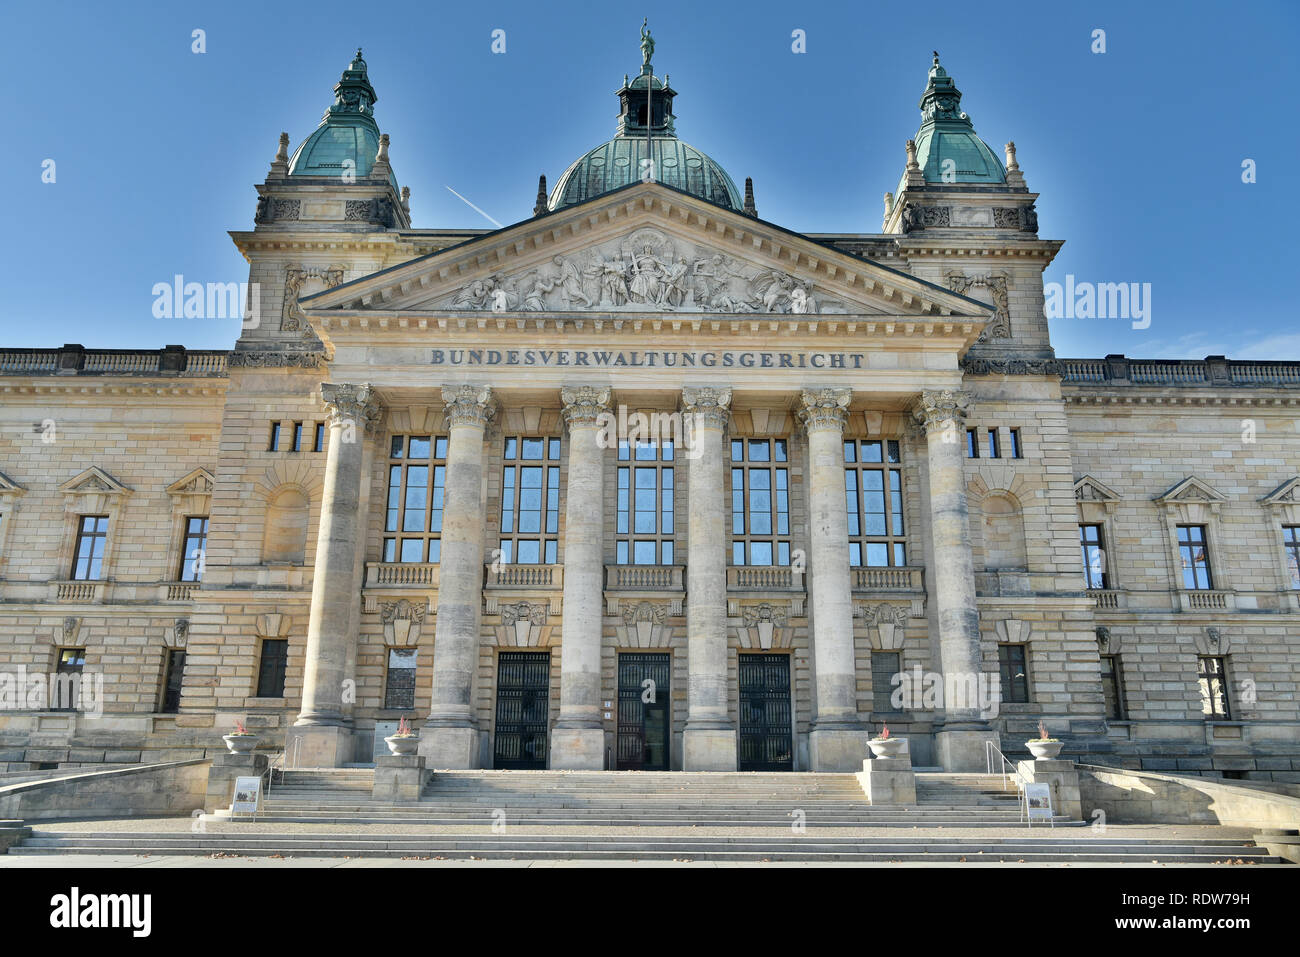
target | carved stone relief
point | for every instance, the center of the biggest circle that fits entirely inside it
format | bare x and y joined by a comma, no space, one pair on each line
1000,327
291,316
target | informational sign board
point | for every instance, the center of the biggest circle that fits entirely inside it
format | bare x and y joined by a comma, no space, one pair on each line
248,796
1038,802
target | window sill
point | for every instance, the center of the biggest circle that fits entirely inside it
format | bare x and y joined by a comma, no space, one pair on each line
255,702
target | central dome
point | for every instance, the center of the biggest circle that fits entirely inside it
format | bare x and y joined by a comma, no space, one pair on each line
646,147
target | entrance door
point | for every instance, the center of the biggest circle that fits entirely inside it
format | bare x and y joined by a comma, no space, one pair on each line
523,709
644,708
765,725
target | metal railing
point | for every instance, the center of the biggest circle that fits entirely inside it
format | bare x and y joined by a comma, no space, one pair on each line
1004,763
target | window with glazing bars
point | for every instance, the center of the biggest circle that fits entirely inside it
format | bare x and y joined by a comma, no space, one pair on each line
1195,557
1092,544
873,492
417,473
1112,687
194,548
1014,674
1212,676
399,689
530,500
645,503
1291,542
92,537
760,502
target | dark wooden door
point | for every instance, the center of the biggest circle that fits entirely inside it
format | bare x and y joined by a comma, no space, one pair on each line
523,709
644,712
766,741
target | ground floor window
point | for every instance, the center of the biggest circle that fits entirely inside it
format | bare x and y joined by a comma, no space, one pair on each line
399,689
66,688
884,666
173,676
1212,676
271,666
1112,687
1014,673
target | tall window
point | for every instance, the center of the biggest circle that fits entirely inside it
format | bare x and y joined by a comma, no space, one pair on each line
645,503
194,549
1112,688
530,501
274,444
1213,678
270,669
760,502
1291,542
995,452
88,559
873,490
1093,545
399,689
1014,674
65,690
1016,451
884,666
1195,557
318,444
417,473
173,676
972,443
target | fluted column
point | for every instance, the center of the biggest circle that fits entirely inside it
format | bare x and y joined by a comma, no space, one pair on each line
321,737
578,739
838,739
709,738
962,736
450,738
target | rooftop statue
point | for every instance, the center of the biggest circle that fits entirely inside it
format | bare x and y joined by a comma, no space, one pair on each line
647,42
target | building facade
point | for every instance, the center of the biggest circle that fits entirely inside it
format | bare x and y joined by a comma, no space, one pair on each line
646,481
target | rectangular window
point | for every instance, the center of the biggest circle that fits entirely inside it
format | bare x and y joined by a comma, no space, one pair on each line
173,677
274,444
972,444
1212,675
645,504
884,666
92,537
399,690
417,474
270,669
1112,688
530,500
873,493
760,502
297,437
318,445
65,692
1195,557
194,549
1016,451
1094,556
1014,674
994,450
1291,542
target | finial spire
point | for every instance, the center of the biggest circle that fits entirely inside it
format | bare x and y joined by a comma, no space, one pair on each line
353,92
750,209
540,206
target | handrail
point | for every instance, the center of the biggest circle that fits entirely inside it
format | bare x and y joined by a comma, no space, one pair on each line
270,771
989,749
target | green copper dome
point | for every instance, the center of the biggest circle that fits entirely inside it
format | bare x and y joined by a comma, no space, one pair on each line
645,131
347,132
946,142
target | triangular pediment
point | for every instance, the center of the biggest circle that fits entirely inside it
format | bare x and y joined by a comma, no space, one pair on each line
646,248
198,482
1288,493
1191,489
9,487
94,480
1089,489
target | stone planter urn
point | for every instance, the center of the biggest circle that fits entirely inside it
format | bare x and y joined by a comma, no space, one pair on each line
1044,749
886,747
402,743
240,743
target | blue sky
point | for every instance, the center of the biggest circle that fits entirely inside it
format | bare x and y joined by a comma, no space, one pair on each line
1136,152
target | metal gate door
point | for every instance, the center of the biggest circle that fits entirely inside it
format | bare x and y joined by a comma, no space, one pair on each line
765,725
644,709
523,709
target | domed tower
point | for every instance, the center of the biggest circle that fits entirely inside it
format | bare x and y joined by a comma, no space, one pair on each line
645,147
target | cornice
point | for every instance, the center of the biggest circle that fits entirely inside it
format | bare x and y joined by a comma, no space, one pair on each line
1156,397
88,387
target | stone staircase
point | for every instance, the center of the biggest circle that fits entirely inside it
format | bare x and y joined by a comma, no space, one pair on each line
618,816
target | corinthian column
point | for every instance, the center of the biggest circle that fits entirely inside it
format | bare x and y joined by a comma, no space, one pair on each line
578,739
838,741
450,738
709,738
322,737
964,732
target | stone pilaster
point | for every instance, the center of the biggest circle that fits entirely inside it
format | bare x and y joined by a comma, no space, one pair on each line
578,739
964,731
838,741
450,737
322,734
709,738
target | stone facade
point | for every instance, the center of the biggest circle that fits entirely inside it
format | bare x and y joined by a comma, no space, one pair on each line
373,330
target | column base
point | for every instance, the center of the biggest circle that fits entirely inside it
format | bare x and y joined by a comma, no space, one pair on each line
889,780
399,778
964,750
577,749
837,749
709,749
454,748
318,746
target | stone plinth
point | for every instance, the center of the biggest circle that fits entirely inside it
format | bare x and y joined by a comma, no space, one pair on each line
709,749
889,780
221,777
1063,777
578,749
450,747
399,778
837,748
318,746
961,750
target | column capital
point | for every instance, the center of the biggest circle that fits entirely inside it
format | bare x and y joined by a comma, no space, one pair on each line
825,409
943,409
710,405
347,402
469,405
585,404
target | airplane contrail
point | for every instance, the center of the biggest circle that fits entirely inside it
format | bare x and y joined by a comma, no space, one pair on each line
473,207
